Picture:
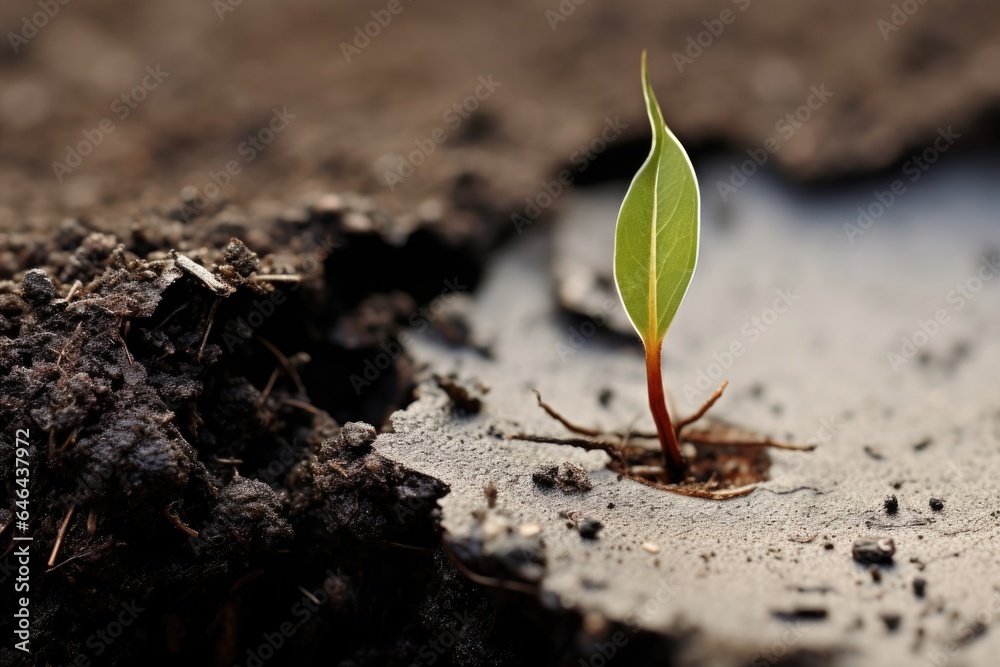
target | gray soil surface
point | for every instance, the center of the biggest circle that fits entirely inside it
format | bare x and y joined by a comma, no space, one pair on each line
768,578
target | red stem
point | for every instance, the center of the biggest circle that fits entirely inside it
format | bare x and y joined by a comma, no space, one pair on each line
673,460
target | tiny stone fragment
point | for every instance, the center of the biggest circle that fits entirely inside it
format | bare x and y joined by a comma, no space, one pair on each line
937,504
920,587
651,547
878,550
356,435
529,529
241,258
891,505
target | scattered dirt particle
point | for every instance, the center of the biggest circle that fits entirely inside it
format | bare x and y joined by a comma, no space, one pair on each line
891,504
605,396
920,587
922,445
892,621
878,550
460,396
828,546
875,573
801,614
567,477
611,506
491,492
937,504
875,455
589,528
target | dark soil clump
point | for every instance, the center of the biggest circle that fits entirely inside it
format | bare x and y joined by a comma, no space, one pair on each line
567,477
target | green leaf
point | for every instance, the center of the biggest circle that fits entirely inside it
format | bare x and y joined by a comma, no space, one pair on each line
656,241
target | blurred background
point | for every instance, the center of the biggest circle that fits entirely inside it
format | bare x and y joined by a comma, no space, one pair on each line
365,83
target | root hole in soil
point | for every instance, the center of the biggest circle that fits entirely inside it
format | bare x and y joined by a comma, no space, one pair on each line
722,460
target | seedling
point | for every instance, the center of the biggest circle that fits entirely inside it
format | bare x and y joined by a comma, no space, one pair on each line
656,250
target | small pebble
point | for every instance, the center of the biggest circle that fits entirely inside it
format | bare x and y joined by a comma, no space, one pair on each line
651,547
920,587
529,530
357,435
937,504
589,528
874,550
892,621
891,505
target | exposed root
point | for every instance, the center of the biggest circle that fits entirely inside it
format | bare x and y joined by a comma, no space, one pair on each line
171,514
704,408
286,363
60,535
582,430
609,448
208,328
716,475
705,437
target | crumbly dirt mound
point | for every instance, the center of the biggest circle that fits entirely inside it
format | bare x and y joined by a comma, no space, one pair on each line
181,462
